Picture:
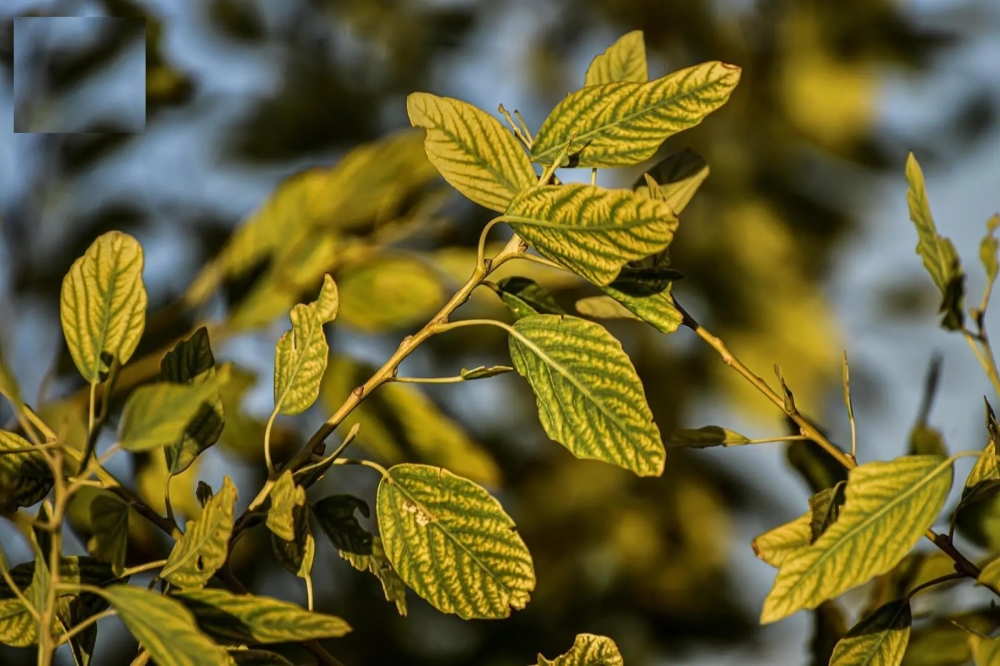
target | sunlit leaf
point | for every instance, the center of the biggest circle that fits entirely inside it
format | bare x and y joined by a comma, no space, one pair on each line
878,640
452,543
777,545
988,251
675,179
603,307
526,297
472,150
8,384
103,304
591,230
938,253
625,60
158,414
824,509
300,357
25,477
587,650
889,506
705,436
239,619
285,496
619,124
379,565
109,520
589,396
297,554
204,546
645,292
389,293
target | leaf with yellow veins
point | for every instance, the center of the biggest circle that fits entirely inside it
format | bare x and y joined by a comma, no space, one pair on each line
587,650
285,496
625,60
878,640
777,545
204,546
300,357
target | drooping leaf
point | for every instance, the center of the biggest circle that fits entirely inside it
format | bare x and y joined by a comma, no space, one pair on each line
777,545
103,304
483,372
589,396
300,357
25,477
8,385
603,307
471,149
297,554
335,515
158,414
388,293
191,362
889,506
700,438
587,650
239,619
109,543
976,512
625,60
164,627
938,253
379,565
591,230
526,297
645,292
878,640
285,496
675,179
452,543
620,124
204,546
824,507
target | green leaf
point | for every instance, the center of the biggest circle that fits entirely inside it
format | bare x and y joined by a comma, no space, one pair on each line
9,386
240,619
482,372
109,543
625,60
452,543
336,518
889,506
620,124
204,546
779,544
158,414
389,293
164,627
878,640
587,650
257,658
103,304
939,255
25,477
645,292
603,307
379,565
985,651
824,509
926,440
705,436
285,496
297,554
191,362
472,150
591,230
589,396
525,297
817,467
300,357
990,574
675,179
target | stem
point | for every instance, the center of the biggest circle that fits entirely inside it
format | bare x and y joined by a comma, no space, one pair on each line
984,356
427,380
593,176
850,407
167,504
936,581
69,635
267,443
46,642
337,452
309,593
91,440
364,463
20,595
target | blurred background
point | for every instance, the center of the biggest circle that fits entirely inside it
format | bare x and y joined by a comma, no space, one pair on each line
797,247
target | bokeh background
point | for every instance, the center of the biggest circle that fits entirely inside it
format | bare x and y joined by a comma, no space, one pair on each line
797,246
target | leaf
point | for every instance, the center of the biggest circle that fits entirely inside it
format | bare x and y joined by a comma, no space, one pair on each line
990,574
25,477
204,546
603,307
258,658
336,518
817,467
297,554
645,292
591,230
327,304
824,509
589,396
103,304
300,357
587,650
452,543
9,386
482,372
620,124
378,564
985,651
158,414
388,293
779,544
829,626
526,297
939,255
878,640
625,60
675,179
239,619
471,149
191,362
703,437
925,440
164,627
109,543
889,506
285,496
988,252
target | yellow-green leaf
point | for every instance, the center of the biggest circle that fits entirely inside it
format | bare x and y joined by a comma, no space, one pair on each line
25,477
246,657
297,554
389,293
239,619
591,230
379,565
328,302
482,372
603,307
158,414
878,640
203,547
285,496
525,297
777,545
889,505
471,149
103,304
675,179
623,123
645,292
705,436
587,650
8,385
988,251
164,627
452,543
625,60
824,508
939,255
300,357
109,543
985,651
589,396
